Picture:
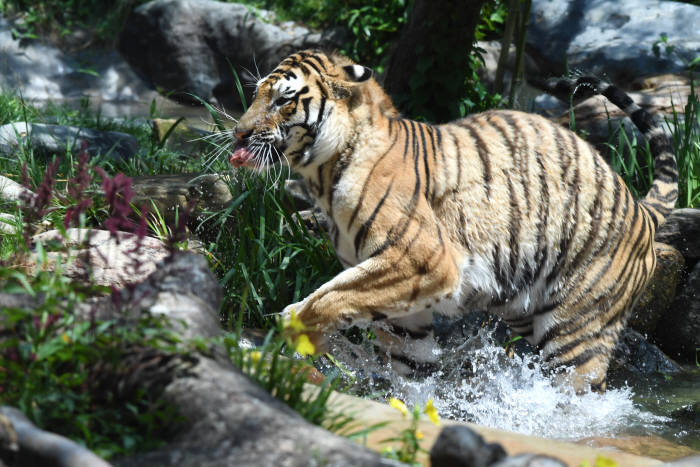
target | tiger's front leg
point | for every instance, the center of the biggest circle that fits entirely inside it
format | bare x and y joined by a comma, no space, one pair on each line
406,278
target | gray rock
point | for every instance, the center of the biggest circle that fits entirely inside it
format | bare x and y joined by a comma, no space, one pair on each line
231,419
101,258
689,414
189,46
613,38
12,191
529,460
30,445
460,446
490,52
678,332
43,72
634,354
47,140
682,230
171,194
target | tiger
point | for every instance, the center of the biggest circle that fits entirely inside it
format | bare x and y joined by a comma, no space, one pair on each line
501,211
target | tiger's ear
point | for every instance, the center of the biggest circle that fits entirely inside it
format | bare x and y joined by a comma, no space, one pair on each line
354,75
357,73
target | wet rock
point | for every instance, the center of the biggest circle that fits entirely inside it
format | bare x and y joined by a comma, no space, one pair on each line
219,36
450,332
43,72
172,193
100,258
175,135
614,39
47,140
461,446
634,354
529,460
682,230
659,294
689,414
678,331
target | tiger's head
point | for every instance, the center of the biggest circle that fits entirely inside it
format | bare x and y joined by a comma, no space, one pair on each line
302,112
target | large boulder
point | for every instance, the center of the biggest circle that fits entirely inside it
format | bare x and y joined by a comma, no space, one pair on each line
633,354
41,71
682,230
98,256
613,38
678,331
191,46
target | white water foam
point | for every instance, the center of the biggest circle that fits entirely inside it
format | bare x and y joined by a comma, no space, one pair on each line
479,383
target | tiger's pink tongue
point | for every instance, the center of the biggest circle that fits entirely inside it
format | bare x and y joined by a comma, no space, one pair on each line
240,156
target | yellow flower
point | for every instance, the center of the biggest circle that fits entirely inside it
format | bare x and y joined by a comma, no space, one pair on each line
601,461
398,405
431,412
255,357
304,346
293,322
419,434
65,338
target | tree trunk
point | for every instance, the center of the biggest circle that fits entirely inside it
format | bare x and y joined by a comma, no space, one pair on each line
427,70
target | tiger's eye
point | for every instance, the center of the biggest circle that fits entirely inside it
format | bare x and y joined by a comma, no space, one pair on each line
281,101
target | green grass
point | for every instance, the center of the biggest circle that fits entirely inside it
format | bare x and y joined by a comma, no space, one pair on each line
632,160
265,257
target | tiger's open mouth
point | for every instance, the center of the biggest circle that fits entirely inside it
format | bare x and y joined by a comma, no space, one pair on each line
241,155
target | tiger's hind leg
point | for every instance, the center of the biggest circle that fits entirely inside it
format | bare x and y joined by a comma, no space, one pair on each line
583,329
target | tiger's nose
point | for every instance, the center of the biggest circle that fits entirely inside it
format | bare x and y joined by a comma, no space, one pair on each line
242,133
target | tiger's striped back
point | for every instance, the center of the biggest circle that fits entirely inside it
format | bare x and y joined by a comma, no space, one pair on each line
502,210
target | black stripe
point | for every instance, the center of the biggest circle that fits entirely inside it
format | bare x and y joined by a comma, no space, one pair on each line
458,157
515,220
643,120
305,103
318,61
426,167
312,65
618,97
483,155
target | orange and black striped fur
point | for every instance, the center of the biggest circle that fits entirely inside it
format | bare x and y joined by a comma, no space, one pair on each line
501,210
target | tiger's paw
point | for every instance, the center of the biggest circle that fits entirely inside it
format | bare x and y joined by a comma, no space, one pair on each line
306,339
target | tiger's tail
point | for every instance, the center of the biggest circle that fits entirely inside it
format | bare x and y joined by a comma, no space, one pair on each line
664,190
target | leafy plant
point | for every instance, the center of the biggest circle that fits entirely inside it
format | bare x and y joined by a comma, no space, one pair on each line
632,159
101,19
55,357
410,437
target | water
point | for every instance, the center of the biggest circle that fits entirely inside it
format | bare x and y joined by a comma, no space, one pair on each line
479,383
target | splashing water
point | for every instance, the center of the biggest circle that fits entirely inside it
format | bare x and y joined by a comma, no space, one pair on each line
479,383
